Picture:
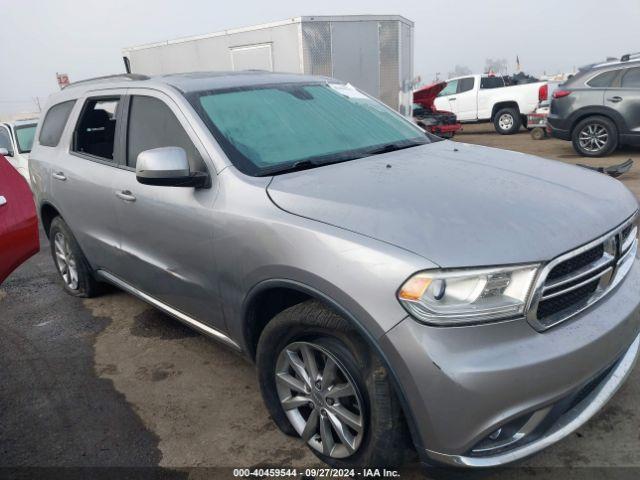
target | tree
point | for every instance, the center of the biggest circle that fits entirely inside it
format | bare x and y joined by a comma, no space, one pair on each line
498,65
459,71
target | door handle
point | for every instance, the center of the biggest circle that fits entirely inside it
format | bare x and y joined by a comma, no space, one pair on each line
126,195
59,176
3,201
615,99
452,99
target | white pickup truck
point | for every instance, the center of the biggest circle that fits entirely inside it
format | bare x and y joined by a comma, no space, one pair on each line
482,98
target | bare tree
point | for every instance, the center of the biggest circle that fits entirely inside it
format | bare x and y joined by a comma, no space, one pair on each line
459,71
497,65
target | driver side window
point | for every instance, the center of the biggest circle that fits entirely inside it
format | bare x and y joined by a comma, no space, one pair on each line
450,89
152,124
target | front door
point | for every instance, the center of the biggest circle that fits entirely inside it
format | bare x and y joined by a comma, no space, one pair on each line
625,98
18,220
166,232
466,100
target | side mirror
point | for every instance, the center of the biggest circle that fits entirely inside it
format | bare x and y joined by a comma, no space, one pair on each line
168,167
5,153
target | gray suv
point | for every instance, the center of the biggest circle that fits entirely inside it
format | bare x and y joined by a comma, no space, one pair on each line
396,291
599,108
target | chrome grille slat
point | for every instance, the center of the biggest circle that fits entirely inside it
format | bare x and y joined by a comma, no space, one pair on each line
577,285
583,272
587,274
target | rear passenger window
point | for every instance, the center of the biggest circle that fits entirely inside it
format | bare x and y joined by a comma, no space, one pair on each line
491,82
465,84
152,124
631,78
603,80
96,129
54,123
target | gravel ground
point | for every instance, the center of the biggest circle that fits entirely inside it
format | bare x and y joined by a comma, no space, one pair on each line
111,382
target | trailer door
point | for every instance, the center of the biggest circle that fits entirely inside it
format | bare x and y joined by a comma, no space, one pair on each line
252,57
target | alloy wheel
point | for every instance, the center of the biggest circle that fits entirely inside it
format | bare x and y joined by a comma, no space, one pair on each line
593,137
66,261
320,399
505,121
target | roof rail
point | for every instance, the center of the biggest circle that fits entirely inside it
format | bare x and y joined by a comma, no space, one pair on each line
629,56
107,78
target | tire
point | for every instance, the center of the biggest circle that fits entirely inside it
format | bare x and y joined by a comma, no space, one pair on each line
595,136
538,133
383,438
507,121
64,244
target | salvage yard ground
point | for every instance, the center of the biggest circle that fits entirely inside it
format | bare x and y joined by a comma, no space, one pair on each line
112,382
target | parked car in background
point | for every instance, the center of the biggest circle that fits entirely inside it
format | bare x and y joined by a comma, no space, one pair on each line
394,288
18,220
440,123
598,109
488,98
16,139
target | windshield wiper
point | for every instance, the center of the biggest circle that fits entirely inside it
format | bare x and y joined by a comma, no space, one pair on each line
293,167
392,147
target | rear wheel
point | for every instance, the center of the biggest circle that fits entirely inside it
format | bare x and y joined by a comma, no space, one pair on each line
321,383
507,121
595,137
73,267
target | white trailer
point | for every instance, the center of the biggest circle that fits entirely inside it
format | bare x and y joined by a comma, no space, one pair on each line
372,52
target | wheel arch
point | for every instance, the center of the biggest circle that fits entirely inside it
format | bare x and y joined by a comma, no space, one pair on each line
254,323
598,111
47,213
505,104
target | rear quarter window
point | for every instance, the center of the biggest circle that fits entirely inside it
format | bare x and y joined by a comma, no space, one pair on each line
603,80
54,123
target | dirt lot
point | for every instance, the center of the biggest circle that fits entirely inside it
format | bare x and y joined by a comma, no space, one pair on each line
112,382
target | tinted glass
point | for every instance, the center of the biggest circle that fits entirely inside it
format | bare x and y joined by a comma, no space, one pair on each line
54,123
96,129
450,89
603,80
465,84
491,82
152,124
5,140
264,128
24,137
631,78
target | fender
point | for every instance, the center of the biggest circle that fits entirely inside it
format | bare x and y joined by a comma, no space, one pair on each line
603,110
353,320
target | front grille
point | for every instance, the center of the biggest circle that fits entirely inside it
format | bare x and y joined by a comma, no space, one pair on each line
578,279
546,308
575,263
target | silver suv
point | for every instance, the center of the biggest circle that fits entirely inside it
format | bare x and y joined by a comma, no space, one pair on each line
396,291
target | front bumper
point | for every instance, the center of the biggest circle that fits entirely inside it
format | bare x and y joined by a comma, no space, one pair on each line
463,384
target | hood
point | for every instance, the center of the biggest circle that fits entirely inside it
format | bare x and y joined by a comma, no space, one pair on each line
426,95
460,205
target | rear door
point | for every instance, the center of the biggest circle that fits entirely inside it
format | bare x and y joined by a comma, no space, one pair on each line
18,220
466,100
167,232
624,97
82,177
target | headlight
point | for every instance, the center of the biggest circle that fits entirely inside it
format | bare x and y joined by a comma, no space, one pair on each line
458,297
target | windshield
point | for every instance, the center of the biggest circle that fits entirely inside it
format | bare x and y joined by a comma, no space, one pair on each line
24,137
272,129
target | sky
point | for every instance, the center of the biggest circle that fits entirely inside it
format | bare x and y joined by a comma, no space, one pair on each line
84,38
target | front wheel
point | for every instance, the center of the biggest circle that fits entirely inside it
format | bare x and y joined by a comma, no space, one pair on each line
507,121
595,137
322,384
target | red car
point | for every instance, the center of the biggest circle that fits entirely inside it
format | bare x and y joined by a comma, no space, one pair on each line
441,123
18,220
